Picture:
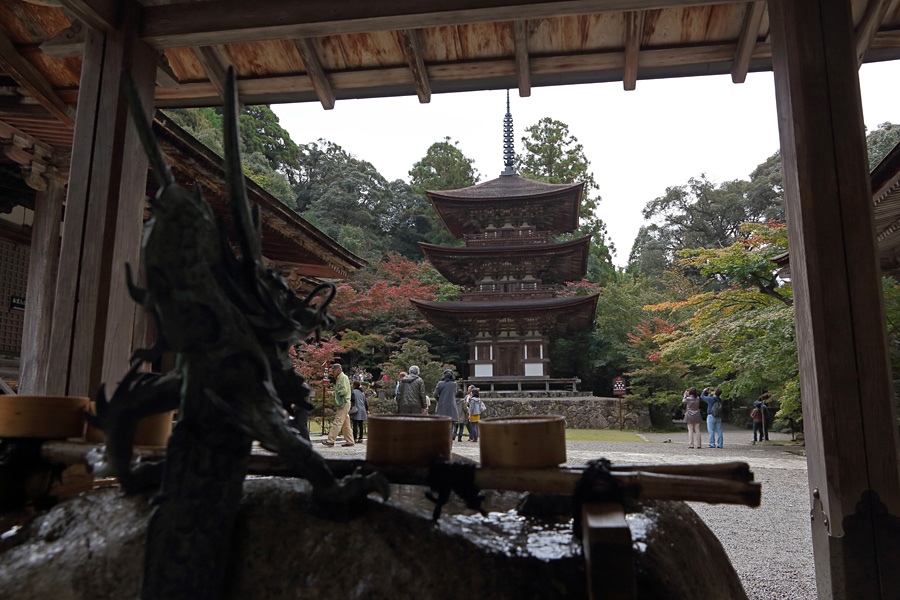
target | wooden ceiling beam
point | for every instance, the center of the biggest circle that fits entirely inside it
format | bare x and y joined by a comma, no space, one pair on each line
215,64
70,44
868,27
102,15
14,107
747,41
165,76
523,66
411,44
634,29
31,79
315,72
282,88
225,21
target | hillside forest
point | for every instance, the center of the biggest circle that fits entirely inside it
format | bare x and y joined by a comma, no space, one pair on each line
700,302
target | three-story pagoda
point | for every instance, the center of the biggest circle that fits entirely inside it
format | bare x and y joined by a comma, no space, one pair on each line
512,271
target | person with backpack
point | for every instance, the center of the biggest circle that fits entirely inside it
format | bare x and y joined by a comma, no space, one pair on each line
476,408
714,413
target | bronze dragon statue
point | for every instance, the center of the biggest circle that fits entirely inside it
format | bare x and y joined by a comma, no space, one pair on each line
230,321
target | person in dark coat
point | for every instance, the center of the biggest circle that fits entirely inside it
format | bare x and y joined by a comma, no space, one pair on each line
360,416
411,394
445,394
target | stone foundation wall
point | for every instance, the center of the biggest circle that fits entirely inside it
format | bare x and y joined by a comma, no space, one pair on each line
580,412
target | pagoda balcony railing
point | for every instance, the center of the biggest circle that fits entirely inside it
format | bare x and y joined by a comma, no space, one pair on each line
540,293
506,238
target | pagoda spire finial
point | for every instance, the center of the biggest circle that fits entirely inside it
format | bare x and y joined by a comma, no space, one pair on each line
509,152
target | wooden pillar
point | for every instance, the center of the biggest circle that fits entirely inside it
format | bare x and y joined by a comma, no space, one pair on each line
43,265
94,317
849,420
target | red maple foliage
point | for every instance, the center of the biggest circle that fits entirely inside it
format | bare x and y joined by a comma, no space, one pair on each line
379,298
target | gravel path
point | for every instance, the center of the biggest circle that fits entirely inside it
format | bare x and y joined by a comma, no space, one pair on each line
770,546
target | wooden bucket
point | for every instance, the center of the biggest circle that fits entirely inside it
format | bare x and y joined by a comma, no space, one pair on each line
408,439
50,417
528,442
151,431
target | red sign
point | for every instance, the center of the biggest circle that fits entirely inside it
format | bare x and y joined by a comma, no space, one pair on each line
619,386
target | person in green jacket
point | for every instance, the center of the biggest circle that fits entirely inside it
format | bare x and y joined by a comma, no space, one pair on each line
341,423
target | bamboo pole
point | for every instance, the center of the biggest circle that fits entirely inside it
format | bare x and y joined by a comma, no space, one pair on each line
726,483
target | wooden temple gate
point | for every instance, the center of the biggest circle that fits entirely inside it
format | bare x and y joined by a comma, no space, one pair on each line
814,47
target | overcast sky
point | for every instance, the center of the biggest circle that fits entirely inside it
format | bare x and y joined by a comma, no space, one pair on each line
639,143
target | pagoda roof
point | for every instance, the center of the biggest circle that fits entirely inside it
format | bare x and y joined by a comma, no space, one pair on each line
555,315
553,205
549,263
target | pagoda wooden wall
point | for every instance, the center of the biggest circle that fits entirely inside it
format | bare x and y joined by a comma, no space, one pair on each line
509,357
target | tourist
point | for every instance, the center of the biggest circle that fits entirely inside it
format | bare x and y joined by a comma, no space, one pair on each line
341,393
759,414
397,389
692,417
445,394
476,407
714,415
411,394
462,414
467,398
359,412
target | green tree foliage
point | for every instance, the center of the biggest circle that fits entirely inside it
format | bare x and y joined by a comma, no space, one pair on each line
740,337
444,167
415,352
359,349
601,354
881,141
739,328
261,132
701,214
552,154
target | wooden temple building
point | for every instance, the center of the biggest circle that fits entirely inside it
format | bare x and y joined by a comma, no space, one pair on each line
512,270
61,63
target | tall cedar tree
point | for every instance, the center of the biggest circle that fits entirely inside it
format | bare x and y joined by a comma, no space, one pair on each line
552,154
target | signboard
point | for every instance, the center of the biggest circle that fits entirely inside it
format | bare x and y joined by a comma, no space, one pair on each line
16,303
619,386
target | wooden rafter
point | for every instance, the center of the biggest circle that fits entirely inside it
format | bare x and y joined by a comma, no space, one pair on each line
68,43
215,64
747,41
225,21
411,43
868,27
523,68
634,28
30,78
315,72
102,15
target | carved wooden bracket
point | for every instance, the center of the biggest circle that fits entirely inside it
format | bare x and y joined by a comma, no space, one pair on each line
32,156
35,175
